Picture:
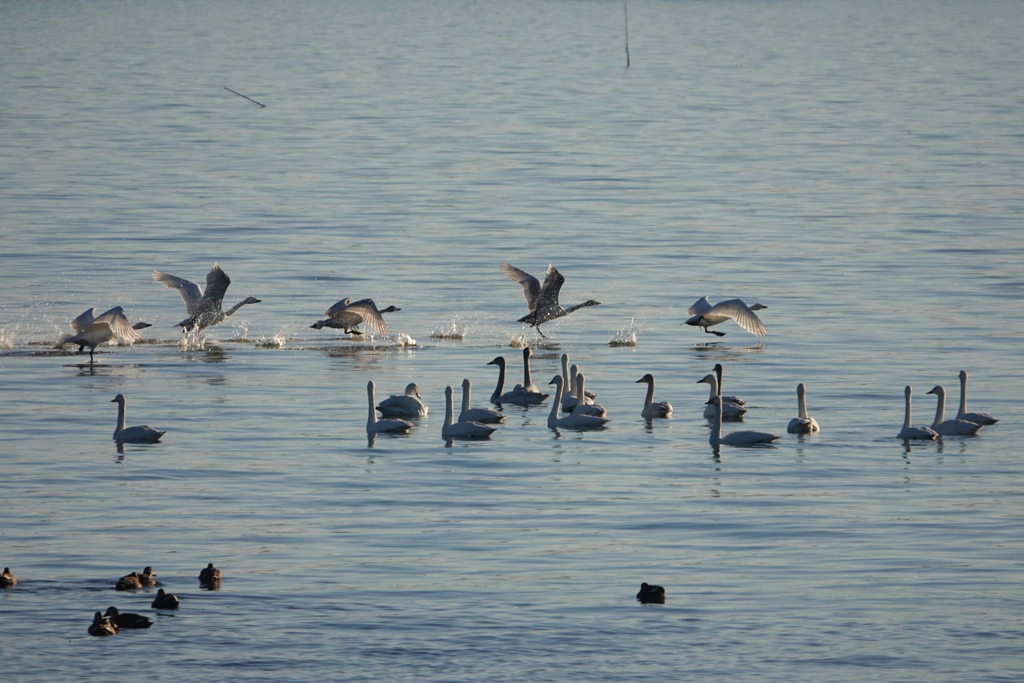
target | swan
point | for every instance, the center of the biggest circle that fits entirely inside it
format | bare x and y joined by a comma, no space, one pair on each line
569,383
407,405
909,432
345,316
744,438
127,619
462,430
542,300
652,409
528,386
140,434
728,399
517,396
203,310
962,414
92,331
586,408
7,579
375,426
943,427
147,577
210,575
129,582
574,421
102,626
705,315
649,593
165,600
730,410
468,414
802,423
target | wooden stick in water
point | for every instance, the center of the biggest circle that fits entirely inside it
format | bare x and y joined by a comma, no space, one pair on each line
254,101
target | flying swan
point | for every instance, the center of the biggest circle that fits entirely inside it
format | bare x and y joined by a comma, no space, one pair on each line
203,310
542,300
92,331
346,316
705,315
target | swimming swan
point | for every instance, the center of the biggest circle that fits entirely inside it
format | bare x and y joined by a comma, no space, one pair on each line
528,386
962,414
569,384
346,316
542,300
730,410
652,409
485,415
574,421
92,331
375,426
728,399
744,438
203,310
140,434
407,405
802,423
705,315
943,427
586,407
909,432
461,430
517,396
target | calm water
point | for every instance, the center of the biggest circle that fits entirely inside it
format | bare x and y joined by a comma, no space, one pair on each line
856,167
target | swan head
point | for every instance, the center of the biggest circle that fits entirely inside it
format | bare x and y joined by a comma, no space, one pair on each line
590,302
940,390
801,389
140,325
412,389
557,379
706,380
499,361
649,378
251,300
466,384
908,391
758,307
118,399
963,375
527,352
391,309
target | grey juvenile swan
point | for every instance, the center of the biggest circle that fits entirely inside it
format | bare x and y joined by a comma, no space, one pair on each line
346,316
204,309
541,300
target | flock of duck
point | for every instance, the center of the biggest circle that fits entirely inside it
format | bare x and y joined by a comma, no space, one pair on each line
114,620
570,395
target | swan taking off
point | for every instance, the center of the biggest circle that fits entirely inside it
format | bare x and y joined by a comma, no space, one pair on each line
204,309
345,316
652,409
375,426
461,430
744,438
802,423
92,331
575,421
944,427
141,434
962,414
542,300
909,432
407,405
705,315
485,415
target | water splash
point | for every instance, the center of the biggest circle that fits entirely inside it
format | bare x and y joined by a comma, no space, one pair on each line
275,342
626,336
192,340
451,330
402,339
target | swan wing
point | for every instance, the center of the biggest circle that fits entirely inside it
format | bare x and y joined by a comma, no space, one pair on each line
119,324
190,292
741,313
217,282
553,282
700,307
531,285
81,322
337,308
368,313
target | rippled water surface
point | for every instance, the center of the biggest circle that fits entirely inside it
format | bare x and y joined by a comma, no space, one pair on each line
857,167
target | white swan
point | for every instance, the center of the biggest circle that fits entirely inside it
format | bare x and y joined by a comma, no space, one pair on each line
204,309
461,430
405,405
528,386
541,300
575,421
909,432
962,414
569,386
92,331
744,438
140,434
729,409
517,396
346,316
652,409
485,415
728,399
585,407
375,426
802,423
705,315
944,427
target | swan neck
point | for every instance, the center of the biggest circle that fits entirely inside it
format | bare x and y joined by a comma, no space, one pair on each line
716,433
712,387
527,381
448,408
465,396
718,376
231,311
802,402
650,394
372,418
565,368
963,395
940,407
553,415
501,381
906,419
120,417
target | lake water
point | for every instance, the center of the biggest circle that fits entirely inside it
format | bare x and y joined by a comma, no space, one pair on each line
857,167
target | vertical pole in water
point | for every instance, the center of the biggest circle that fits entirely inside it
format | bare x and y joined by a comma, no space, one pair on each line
625,11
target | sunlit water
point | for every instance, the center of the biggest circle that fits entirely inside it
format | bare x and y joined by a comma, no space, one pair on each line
857,167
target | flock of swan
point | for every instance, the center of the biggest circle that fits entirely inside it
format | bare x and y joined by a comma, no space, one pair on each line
205,309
